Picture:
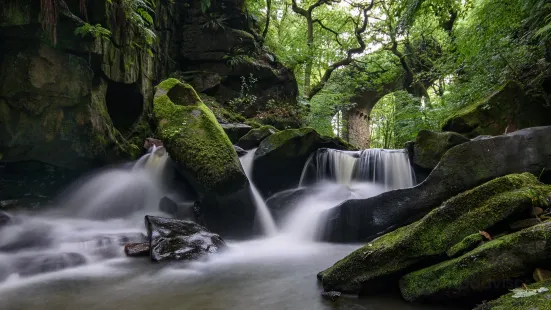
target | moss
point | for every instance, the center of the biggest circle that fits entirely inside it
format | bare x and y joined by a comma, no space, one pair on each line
255,136
470,242
490,267
540,301
195,140
253,123
430,146
432,236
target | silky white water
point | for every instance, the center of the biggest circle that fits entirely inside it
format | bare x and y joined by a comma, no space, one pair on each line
263,214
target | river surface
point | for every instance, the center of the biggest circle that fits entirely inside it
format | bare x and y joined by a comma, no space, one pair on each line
259,274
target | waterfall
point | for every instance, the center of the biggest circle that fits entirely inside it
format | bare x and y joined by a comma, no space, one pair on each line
263,213
390,168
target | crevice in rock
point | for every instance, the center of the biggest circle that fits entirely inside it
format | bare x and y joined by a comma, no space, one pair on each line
124,105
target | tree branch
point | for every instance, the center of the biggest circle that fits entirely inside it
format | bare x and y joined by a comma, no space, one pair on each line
330,30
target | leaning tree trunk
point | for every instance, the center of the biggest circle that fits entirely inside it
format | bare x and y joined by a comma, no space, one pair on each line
359,133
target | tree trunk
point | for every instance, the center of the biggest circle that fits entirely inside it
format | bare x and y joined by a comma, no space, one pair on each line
358,127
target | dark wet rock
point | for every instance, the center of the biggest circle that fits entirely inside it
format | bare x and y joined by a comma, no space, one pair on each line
430,146
490,269
254,137
240,152
31,235
236,131
522,224
282,203
181,210
483,207
500,113
332,296
137,249
541,275
461,168
43,263
204,155
118,239
172,239
279,159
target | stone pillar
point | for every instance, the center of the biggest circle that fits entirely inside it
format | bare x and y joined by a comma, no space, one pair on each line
358,127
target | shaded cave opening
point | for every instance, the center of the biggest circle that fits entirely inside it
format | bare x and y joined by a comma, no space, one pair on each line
124,105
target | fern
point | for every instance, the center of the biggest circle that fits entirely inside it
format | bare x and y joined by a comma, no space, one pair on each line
95,31
205,5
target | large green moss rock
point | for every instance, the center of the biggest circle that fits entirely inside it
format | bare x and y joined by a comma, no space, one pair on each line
457,218
204,154
280,158
491,268
506,110
430,146
539,301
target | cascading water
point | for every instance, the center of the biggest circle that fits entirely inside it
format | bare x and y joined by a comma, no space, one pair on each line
263,213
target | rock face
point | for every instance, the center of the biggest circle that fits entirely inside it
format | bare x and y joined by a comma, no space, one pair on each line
461,168
279,159
137,249
203,153
467,213
43,263
236,131
254,137
430,146
505,260
506,110
171,239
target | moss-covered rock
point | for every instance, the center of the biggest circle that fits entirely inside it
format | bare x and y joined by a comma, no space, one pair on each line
279,159
470,242
506,110
491,268
236,131
430,146
457,218
462,167
203,152
253,138
540,301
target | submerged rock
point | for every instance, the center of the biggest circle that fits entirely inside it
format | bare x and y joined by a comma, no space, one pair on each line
203,153
332,296
171,239
463,215
43,263
500,113
5,219
137,249
430,146
254,137
494,267
461,168
279,159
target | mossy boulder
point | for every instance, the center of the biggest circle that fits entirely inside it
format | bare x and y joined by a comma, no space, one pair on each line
204,154
470,242
465,214
461,168
253,138
506,110
279,159
430,146
492,268
539,301
236,130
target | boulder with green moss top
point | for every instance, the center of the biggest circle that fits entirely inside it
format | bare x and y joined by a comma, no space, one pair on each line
430,146
236,130
506,110
468,243
279,159
465,214
204,154
462,167
254,137
492,268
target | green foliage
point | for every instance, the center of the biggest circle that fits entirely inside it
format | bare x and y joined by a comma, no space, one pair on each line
246,99
96,31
